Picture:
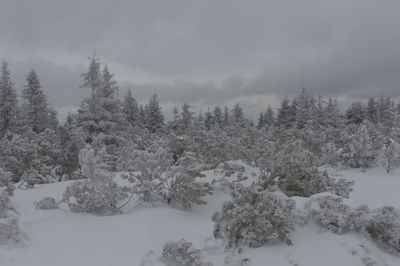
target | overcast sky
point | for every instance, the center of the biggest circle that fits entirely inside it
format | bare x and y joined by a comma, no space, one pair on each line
207,52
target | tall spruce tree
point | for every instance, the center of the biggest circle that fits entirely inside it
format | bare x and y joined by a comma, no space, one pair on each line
286,114
131,109
37,113
8,102
154,119
102,111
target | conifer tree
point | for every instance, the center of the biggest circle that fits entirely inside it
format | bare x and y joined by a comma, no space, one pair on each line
186,116
131,109
286,114
218,115
92,78
8,102
37,114
154,119
227,117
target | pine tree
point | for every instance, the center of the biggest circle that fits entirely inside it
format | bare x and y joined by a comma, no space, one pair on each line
286,114
98,193
92,78
333,115
208,120
355,114
269,117
371,111
237,114
8,102
218,115
38,115
108,87
227,117
266,119
154,119
102,112
186,116
131,109
305,108
261,122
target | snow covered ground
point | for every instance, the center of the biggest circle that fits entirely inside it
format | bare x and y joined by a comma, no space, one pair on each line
63,238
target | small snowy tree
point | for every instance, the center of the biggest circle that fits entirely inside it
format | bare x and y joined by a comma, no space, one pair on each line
359,150
383,225
182,252
6,181
37,113
8,102
390,155
292,168
254,217
98,193
157,178
330,211
147,177
182,185
9,228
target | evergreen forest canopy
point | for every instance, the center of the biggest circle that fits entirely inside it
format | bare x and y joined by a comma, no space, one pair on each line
292,149
36,148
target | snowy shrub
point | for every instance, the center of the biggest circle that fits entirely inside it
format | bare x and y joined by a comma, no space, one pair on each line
315,181
215,146
330,212
156,178
182,253
9,229
5,204
6,182
98,193
47,203
232,169
383,225
293,168
181,182
359,150
254,217
390,155
31,158
147,178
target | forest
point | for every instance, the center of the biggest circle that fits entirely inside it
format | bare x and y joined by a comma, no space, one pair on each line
114,154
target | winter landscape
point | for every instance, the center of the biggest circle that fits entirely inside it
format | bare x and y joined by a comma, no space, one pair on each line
106,162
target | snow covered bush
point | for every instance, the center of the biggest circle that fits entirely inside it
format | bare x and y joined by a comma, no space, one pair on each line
254,217
182,253
234,169
6,181
383,225
9,228
314,181
31,158
215,146
359,150
181,182
294,169
147,175
46,203
99,193
390,155
156,178
329,211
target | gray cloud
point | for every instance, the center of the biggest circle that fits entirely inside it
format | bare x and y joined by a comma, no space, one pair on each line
208,52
